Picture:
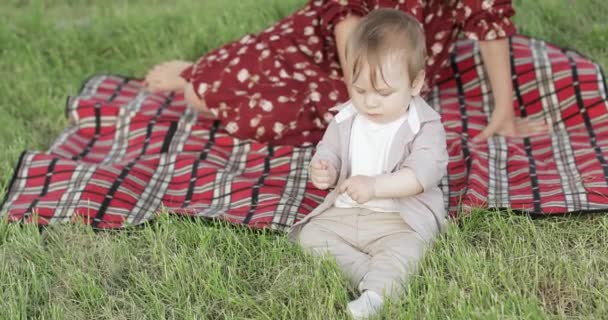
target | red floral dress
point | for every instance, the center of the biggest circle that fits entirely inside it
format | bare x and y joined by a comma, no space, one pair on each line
277,86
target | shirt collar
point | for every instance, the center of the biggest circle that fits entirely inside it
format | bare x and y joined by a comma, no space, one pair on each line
417,113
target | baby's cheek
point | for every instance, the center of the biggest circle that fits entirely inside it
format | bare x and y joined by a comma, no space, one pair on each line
357,100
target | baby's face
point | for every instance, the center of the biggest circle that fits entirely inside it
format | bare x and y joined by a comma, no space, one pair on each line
390,99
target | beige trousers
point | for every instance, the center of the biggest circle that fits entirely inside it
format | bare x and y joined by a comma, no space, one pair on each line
376,250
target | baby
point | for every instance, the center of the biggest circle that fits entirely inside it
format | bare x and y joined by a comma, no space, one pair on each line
384,153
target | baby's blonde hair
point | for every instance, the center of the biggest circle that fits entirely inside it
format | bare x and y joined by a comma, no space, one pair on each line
381,33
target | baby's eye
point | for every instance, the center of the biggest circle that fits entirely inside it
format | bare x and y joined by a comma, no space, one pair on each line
359,91
386,93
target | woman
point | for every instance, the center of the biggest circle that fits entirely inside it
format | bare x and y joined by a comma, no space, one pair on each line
278,86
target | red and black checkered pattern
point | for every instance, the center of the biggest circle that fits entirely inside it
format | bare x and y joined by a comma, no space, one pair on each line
128,155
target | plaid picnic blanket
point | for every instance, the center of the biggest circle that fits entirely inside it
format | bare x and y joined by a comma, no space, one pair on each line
128,155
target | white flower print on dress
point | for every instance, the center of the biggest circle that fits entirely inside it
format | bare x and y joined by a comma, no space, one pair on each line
242,51
436,48
266,105
253,100
491,35
305,50
310,73
243,75
216,85
202,88
255,121
264,54
232,127
254,79
298,76
318,123
487,4
245,39
333,96
501,32
318,57
278,128
260,131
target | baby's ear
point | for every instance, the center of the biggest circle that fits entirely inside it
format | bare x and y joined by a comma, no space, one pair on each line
418,83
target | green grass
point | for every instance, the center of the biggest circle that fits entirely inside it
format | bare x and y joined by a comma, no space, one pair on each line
489,266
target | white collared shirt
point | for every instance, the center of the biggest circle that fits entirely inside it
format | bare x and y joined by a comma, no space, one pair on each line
370,144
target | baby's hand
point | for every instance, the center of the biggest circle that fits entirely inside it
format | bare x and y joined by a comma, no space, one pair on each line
322,174
359,188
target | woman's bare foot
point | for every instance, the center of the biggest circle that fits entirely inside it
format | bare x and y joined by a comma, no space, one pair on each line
518,127
166,77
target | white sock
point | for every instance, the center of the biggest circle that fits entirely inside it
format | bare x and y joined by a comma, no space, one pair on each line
366,305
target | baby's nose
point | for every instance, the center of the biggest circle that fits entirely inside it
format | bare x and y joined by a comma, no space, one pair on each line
371,102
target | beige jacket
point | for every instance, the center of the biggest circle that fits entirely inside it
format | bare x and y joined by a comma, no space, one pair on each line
419,145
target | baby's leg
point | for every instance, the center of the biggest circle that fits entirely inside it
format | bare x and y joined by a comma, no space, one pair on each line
395,255
166,77
332,232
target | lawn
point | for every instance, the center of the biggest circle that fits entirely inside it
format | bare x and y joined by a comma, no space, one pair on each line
488,266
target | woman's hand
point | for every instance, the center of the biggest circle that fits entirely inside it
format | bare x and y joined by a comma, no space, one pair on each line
341,32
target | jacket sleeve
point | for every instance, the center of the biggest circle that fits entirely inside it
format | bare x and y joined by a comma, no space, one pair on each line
428,157
329,147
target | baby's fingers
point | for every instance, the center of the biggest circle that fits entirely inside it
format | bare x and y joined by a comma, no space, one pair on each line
322,186
317,165
324,164
321,179
318,173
